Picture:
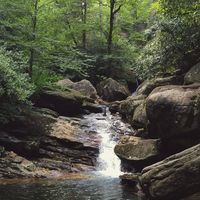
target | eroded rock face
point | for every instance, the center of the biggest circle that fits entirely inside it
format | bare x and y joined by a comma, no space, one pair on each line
193,76
14,166
55,145
84,86
137,151
174,111
111,90
173,177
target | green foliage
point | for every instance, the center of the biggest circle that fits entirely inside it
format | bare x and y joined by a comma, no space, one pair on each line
14,84
173,39
73,63
43,77
152,37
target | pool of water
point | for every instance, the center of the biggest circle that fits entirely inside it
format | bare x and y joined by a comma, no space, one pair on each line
92,188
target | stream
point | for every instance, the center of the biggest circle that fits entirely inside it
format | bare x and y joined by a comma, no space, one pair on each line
102,184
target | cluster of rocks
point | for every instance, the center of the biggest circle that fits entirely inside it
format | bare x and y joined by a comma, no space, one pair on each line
165,148
47,139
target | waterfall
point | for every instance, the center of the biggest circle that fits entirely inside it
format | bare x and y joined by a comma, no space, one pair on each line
109,163
108,128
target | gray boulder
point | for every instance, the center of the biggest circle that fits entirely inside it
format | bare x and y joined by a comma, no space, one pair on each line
137,151
174,177
111,90
84,86
174,111
147,86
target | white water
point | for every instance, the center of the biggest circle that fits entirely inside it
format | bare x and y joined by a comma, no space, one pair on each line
108,128
105,127
109,163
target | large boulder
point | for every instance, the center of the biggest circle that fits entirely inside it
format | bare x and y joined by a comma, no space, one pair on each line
126,76
174,111
136,151
65,102
111,90
193,76
84,86
147,86
134,107
174,177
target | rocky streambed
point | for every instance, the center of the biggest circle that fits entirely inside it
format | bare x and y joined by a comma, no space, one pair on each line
163,156
67,132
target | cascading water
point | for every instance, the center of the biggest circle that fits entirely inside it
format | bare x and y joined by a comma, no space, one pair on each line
109,163
108,128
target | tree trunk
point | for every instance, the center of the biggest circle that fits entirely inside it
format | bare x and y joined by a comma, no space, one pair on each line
84,20
33,37
72,34
113,12
111,24
101,17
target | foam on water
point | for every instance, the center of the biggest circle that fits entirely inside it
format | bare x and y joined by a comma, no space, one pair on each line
108,163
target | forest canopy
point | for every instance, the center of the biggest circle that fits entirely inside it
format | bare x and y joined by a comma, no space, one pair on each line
43,40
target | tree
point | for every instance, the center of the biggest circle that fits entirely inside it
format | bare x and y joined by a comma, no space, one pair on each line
33,35
84,20
114,9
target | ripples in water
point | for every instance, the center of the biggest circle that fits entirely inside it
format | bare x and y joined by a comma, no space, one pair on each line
98,188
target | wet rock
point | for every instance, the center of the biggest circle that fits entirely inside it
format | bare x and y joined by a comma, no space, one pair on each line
174,111
111,90
93,108
13,166
174,177
130,179
137,152
193,76
84,86
61,147
114,107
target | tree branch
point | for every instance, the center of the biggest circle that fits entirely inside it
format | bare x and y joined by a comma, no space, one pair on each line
117,10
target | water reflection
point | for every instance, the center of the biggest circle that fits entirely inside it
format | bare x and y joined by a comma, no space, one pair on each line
98,188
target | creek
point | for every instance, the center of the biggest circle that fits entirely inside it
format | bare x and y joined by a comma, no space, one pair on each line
101,184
